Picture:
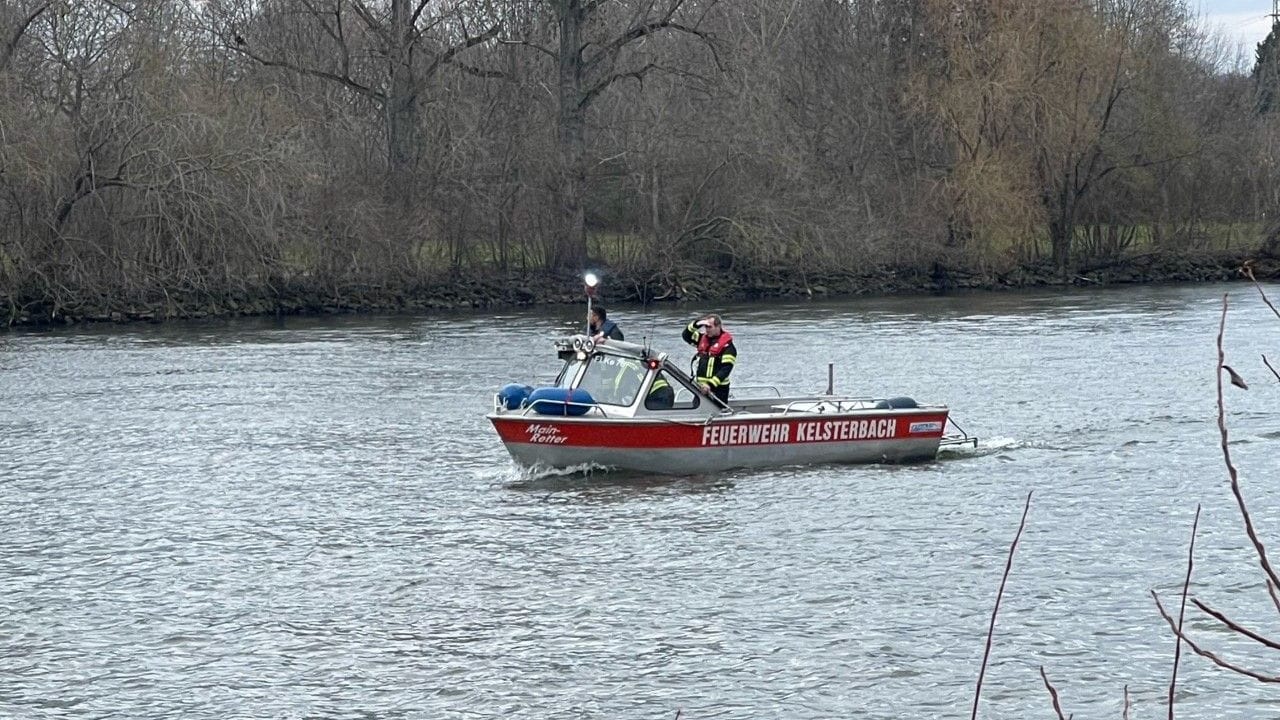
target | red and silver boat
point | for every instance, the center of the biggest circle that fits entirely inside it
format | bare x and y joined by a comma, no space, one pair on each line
623,406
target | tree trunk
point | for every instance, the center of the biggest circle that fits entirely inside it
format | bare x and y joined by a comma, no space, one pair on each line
569,248
401,109
655,207
1061,232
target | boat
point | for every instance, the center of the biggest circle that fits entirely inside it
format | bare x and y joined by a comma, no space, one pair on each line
609,409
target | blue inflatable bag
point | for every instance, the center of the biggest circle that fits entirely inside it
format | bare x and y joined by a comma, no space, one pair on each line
560,401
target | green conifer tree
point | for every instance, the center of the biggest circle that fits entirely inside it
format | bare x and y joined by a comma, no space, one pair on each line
1266,72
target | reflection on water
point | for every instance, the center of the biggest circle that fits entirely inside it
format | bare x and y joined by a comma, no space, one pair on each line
312,518
619,487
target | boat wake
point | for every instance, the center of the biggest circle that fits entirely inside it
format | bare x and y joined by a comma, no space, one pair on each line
517,476
984,447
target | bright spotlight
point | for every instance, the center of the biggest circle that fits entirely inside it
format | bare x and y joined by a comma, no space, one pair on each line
591,280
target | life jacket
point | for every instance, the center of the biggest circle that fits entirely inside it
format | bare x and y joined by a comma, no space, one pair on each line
606,329
713,349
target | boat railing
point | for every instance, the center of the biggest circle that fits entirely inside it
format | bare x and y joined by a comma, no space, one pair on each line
776,391
825,405
526,409
959,438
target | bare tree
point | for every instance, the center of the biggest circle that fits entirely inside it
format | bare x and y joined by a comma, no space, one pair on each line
1042,103
344,153
385,52
595,47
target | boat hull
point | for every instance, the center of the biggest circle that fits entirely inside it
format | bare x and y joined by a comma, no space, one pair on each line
732,441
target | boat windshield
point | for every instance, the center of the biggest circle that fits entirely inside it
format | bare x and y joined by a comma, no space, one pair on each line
613,380
569,373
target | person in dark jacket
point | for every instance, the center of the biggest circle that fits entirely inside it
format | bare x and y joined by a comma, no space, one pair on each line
661,395
602,326
715,356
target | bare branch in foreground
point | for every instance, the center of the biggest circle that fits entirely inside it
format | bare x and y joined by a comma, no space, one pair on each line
1236,627
1207,654
1053,694
1248,272
991,629
1268,364
1182,611
1258,545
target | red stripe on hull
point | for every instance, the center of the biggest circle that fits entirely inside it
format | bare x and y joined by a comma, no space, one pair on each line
726,432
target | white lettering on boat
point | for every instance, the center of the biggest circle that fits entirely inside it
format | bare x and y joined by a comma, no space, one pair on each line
545,434
828,430
754,434
815,431
925,427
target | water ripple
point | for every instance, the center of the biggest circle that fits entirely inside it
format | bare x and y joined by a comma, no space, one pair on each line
313,519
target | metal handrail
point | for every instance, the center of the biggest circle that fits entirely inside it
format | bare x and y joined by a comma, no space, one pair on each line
526,409
787,408
839,405
774,388
957,425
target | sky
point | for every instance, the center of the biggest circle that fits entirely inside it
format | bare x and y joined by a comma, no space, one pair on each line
1248,21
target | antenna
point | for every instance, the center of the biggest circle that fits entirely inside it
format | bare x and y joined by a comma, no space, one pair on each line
653,316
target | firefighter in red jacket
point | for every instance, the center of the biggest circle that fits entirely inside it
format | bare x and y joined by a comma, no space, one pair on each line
715,356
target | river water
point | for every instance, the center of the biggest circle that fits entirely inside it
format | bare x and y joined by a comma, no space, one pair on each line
312,518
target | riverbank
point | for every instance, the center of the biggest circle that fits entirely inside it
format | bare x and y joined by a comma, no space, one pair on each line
491,290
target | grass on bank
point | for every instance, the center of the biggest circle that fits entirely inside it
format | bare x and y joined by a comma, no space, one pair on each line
1100,242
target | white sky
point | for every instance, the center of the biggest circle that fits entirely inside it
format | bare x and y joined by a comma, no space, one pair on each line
1248,21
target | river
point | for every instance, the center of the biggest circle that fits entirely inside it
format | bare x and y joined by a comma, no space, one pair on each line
310,517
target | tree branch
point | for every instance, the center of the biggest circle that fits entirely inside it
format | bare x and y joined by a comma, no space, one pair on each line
611,48
448,55
363,12
1207,654
344,80
479,72
1258,546
11,42
417,14
1182,611
526,43
595,90
991,629
1236,627
1277,374
1053,695
1248,272
320,16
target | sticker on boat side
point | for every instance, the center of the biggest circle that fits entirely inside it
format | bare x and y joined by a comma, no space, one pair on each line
545,434
925,427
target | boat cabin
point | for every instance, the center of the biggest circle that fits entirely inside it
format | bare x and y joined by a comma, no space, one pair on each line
628,380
